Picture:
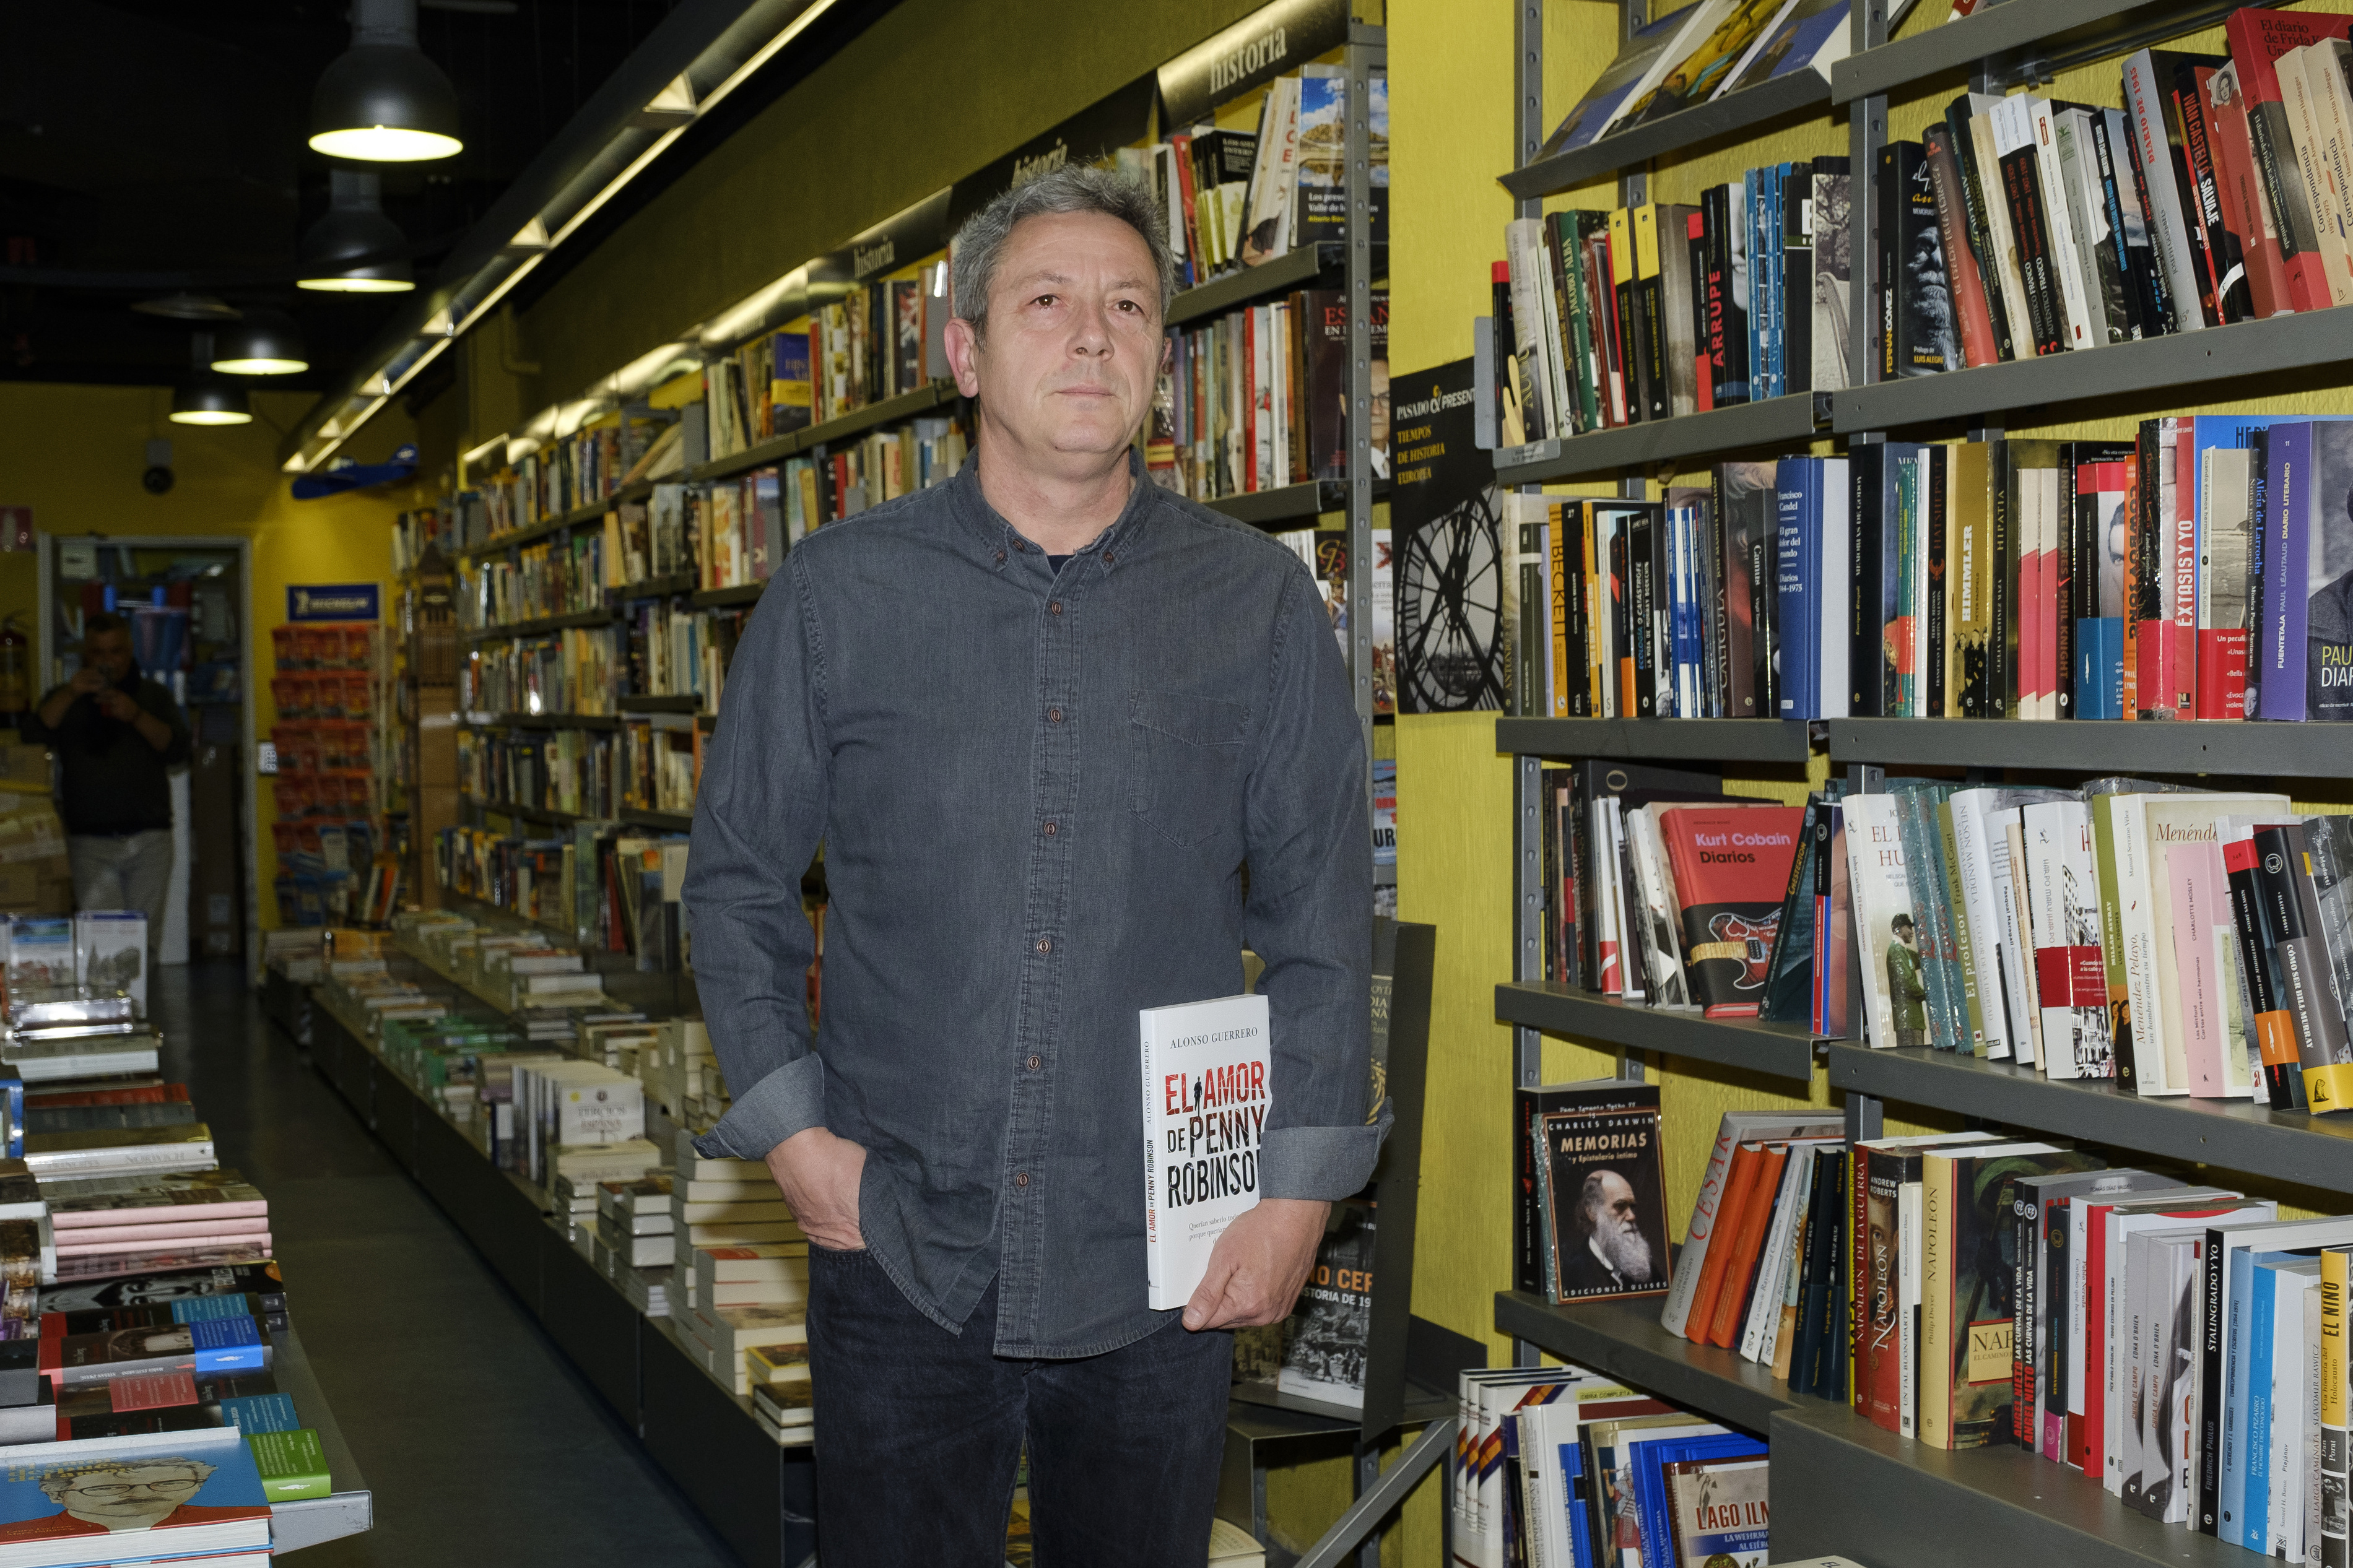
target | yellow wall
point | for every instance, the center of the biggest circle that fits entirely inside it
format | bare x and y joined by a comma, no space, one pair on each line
74,455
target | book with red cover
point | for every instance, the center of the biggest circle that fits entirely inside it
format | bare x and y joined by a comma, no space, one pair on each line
2257,39
1747,1242
138,1094
1731,867
2246,211
1974,314
1738,1185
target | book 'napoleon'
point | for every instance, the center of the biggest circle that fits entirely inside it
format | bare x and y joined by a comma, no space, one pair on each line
1207,1087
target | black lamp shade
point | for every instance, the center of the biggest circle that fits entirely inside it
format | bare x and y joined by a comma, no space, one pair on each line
355,248
385,104
265,343
210,403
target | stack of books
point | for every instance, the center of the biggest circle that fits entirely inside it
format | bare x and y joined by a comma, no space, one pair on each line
110,1226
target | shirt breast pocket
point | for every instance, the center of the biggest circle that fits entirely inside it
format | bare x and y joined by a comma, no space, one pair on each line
1188,758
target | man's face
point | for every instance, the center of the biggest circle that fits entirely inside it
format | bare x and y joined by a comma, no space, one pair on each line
1618,1227
109,653
130,1498
1073,350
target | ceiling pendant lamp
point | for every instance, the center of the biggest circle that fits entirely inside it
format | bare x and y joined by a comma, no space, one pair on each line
267,342
381,100
354,249
205,401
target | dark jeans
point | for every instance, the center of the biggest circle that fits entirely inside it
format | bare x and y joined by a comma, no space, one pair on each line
920,1431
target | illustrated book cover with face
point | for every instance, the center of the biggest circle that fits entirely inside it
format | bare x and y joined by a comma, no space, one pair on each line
202,1486
1604,1205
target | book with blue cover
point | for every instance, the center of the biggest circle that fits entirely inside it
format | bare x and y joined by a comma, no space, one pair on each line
111,1499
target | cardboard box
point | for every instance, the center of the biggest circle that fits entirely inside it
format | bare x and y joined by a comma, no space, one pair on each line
26,768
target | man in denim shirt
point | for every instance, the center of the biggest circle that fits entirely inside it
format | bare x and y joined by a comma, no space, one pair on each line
1041,717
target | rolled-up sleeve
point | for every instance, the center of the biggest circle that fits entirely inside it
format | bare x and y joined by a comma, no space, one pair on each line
1309,916
758,817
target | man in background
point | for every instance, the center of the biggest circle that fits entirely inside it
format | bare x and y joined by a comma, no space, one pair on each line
116,735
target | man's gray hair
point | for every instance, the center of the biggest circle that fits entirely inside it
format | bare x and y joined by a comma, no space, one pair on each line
1073,188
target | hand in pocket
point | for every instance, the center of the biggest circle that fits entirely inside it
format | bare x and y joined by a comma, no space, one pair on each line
820,1174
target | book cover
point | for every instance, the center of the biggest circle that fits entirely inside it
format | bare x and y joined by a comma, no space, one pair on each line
1721,1517
1833,907
1967,1318
1605,1226
201,1490
2069,975
1645,59
1886,933
1736,1128
1453,646
1330,1332
1731,867
1206,1080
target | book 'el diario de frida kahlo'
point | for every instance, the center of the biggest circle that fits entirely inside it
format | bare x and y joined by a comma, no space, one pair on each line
1604,1195
1730,868
1207,1087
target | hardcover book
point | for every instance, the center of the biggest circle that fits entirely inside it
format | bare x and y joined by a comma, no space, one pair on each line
198,1492
1207,1087
1604,1206
1731,867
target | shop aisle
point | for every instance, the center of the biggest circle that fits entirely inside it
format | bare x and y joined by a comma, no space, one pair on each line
478,1440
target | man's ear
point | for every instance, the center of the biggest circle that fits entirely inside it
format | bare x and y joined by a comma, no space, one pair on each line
963,344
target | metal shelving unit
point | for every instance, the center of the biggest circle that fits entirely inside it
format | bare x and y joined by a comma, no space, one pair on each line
1769,742
1793,94
1781,1050
2098,746
592,512
1295,505
1775,421
776,450
2005,46
1624,1338
546,624
1309,267
2237,1135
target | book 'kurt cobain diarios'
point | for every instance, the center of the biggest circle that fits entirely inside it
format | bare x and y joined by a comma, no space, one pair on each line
1207,1087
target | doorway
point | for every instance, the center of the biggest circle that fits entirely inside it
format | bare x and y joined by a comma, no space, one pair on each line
190,604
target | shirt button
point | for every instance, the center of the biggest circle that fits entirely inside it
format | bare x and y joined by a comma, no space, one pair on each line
1035,1061
1109,559
1049,830
1045,944
1000,558
1054,715
1056,606
1020,1178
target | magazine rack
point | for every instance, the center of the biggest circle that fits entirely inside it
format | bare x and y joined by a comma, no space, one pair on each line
1923,1506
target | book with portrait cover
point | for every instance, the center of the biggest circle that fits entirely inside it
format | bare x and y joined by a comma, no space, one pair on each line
1604,1203
261,1278
1719,1513
1731,869
1207,1086
200,1489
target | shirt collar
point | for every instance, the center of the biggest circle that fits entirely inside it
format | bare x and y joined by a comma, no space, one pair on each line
1003,542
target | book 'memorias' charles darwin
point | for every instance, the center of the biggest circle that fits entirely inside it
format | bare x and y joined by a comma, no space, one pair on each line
1209,1083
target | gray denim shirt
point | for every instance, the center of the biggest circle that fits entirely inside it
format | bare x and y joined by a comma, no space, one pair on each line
1037,793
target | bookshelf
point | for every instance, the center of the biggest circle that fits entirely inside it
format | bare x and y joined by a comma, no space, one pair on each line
1781,1050
1921,1505
544,624
1749,110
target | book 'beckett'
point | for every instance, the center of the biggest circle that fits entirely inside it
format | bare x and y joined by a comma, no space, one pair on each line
1208,1087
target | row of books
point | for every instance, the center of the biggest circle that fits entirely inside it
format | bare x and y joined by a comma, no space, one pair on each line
1257,399
1701,52
609,886
647,765
660,648
1562,1466
1237,198
1663,310
577,670
562,475
2209,197
866,347
2195,572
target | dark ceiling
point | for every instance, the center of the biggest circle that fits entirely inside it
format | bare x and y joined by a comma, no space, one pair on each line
149,145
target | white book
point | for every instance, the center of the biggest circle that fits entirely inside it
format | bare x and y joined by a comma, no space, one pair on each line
2063,912
1209,1083
2144,109
2294,1366
1882,899
1765,1301
2305,131
2006,855
1908,1221
1660,912
2066,255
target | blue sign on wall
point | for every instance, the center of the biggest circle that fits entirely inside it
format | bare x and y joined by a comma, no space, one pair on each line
332,602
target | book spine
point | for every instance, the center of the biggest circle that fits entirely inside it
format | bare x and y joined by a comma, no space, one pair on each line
1936,1303
1934,676
2135,264
2334,1420
2145,108
2076,308
2194,102
1796,278
1691,1262
1702,293
1970,302
2033,256
2245,208
1972,188
1866,697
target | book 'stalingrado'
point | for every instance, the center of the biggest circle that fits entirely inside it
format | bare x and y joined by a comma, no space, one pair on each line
1208,1082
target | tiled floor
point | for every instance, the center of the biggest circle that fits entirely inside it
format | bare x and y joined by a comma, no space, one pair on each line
478,1439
